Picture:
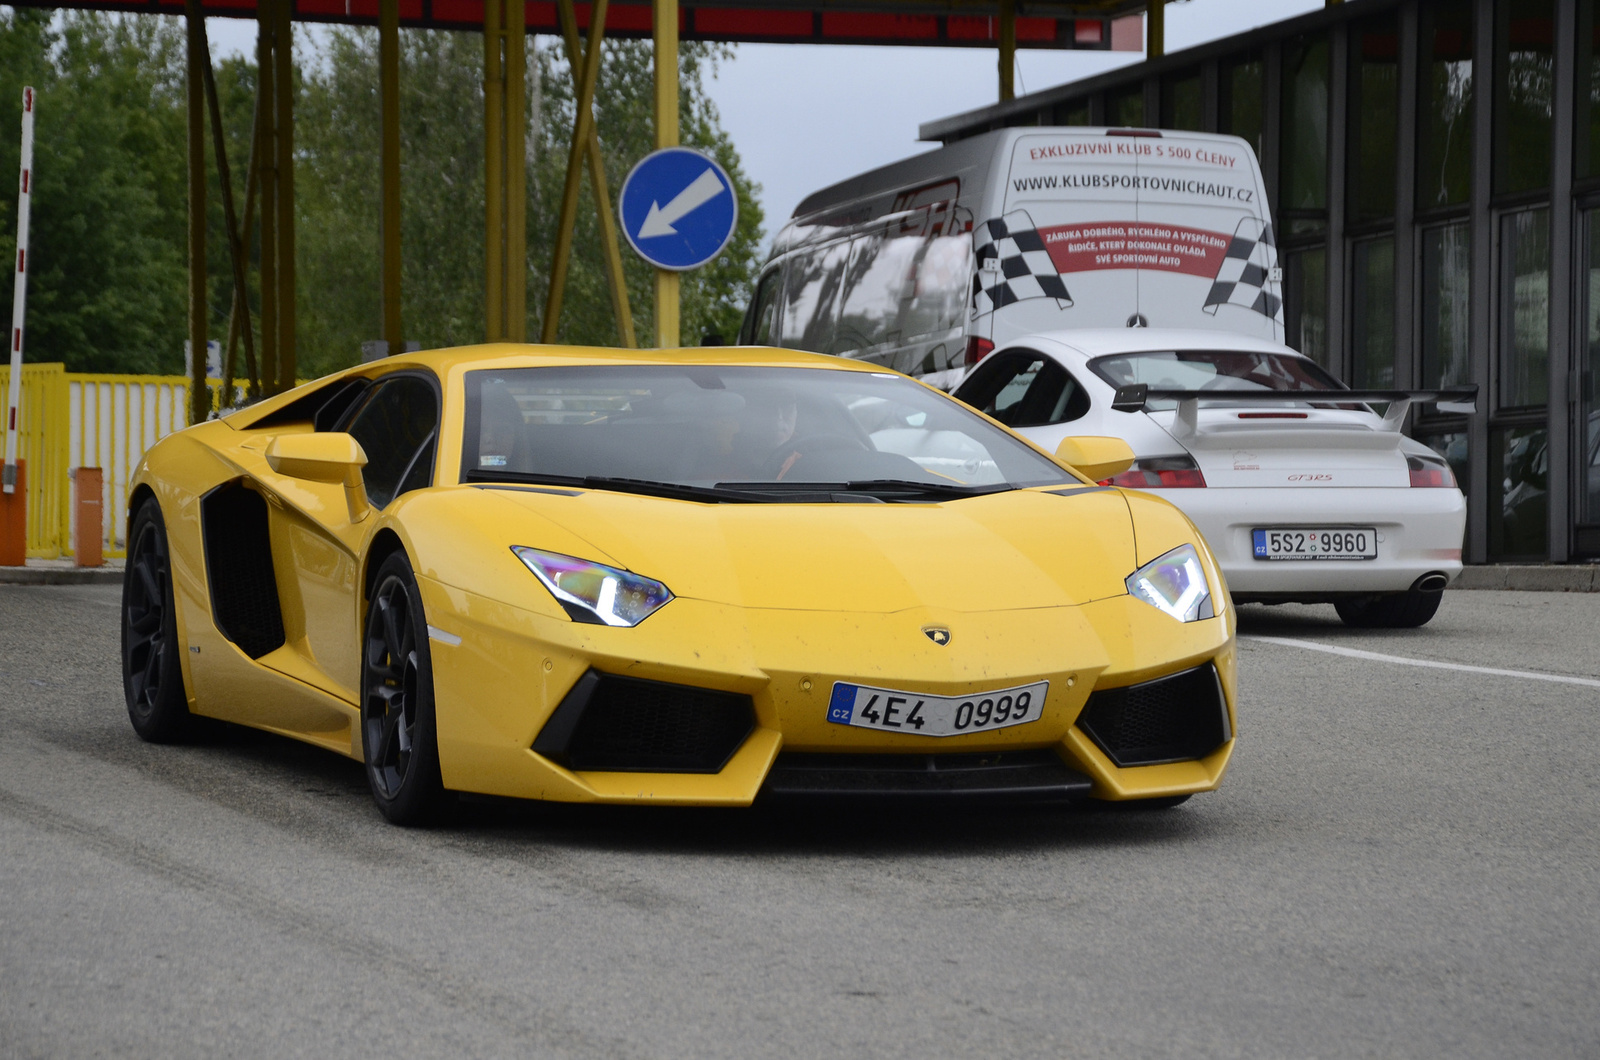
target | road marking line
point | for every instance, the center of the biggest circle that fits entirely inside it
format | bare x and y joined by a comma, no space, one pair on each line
1372,656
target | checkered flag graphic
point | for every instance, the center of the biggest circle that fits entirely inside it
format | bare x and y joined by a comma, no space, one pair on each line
1242,277
1026,270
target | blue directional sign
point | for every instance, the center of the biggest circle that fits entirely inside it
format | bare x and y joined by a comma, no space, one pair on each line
678,209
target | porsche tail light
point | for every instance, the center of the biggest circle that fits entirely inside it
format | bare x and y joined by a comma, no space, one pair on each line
1430,473
978,349
1160,473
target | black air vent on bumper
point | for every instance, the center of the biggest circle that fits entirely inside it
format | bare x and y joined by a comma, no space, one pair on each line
625,724
1175,718
1026,776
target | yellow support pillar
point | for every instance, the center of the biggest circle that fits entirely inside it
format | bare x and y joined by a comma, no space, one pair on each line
389,168
516,188
602,196
582,131
1155,30
267,151
666,115
199,311
1008,49
283,80
505,165
494,97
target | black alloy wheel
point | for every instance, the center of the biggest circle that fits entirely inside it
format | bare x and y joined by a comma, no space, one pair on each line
397,721
1406,610
152,663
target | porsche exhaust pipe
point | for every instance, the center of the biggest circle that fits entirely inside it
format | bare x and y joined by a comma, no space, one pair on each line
1431,582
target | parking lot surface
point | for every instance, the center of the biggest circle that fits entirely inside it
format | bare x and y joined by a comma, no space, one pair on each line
1403,861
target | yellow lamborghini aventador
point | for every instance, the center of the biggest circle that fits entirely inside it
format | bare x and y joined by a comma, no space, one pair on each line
687,577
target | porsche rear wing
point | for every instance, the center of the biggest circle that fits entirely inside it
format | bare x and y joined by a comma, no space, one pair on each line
1135,397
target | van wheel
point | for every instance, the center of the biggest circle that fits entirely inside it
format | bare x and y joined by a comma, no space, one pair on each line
1406,610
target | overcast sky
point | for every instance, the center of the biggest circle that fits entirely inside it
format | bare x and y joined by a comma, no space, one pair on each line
803,116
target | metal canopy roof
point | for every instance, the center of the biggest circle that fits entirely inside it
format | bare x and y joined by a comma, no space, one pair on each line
946,23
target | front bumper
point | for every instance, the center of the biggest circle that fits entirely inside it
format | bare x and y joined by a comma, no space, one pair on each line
498,687
1419,531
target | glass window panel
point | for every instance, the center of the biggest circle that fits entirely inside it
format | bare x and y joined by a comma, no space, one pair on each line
1376,91
1589,378
1525,64
940,279
1126,108
1525,308
1452,445
1520,529
903,283
1587,143
763,311
1243,88
1373,305
1306,302
1075,112
812,296
1444,162
391,427
1446,305
1305,124
1180,102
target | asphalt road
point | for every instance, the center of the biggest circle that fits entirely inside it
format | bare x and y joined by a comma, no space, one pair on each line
1403,861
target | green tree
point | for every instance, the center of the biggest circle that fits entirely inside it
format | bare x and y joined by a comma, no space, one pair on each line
713,297
442,193
106,288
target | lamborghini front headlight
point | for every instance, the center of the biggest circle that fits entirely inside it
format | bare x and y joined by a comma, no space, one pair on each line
1176,584
594,592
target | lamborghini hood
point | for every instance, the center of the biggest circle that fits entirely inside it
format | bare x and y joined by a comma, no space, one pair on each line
1004,551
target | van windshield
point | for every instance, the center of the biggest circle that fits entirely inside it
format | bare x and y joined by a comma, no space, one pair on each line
1213,370
738,433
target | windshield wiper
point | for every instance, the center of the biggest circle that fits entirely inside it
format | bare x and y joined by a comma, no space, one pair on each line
642,486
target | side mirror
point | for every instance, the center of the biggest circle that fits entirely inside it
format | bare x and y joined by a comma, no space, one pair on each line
1097,457
324,457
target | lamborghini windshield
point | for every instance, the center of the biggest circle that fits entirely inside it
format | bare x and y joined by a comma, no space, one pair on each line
737,433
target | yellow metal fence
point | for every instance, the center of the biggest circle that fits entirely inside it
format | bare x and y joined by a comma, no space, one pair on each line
74,419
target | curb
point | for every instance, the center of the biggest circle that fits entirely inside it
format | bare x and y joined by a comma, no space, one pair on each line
60,575
1551,578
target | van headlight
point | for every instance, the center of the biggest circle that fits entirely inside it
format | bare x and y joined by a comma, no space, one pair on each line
1175,584
594,592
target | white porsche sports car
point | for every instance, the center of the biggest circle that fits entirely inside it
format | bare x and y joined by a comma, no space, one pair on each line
1304,492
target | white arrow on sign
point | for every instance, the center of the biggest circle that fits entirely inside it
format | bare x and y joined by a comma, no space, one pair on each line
658,222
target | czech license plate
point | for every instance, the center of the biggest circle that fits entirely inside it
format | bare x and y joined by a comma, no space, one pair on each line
925,715
1316,542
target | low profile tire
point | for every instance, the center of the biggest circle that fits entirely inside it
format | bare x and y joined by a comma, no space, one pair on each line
152,663
1406,610
398,736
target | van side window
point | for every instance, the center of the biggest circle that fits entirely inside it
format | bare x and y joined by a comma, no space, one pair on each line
905,280
1025,389
757,330
811,296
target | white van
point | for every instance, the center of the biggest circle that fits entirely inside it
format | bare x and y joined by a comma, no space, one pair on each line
927,264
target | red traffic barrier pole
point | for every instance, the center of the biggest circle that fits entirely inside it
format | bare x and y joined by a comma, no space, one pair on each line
88,529
14,521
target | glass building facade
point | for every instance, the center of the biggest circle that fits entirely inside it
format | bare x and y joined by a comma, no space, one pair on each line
1434,171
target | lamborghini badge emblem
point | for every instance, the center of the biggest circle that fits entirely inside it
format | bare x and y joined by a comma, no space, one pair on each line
938,634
